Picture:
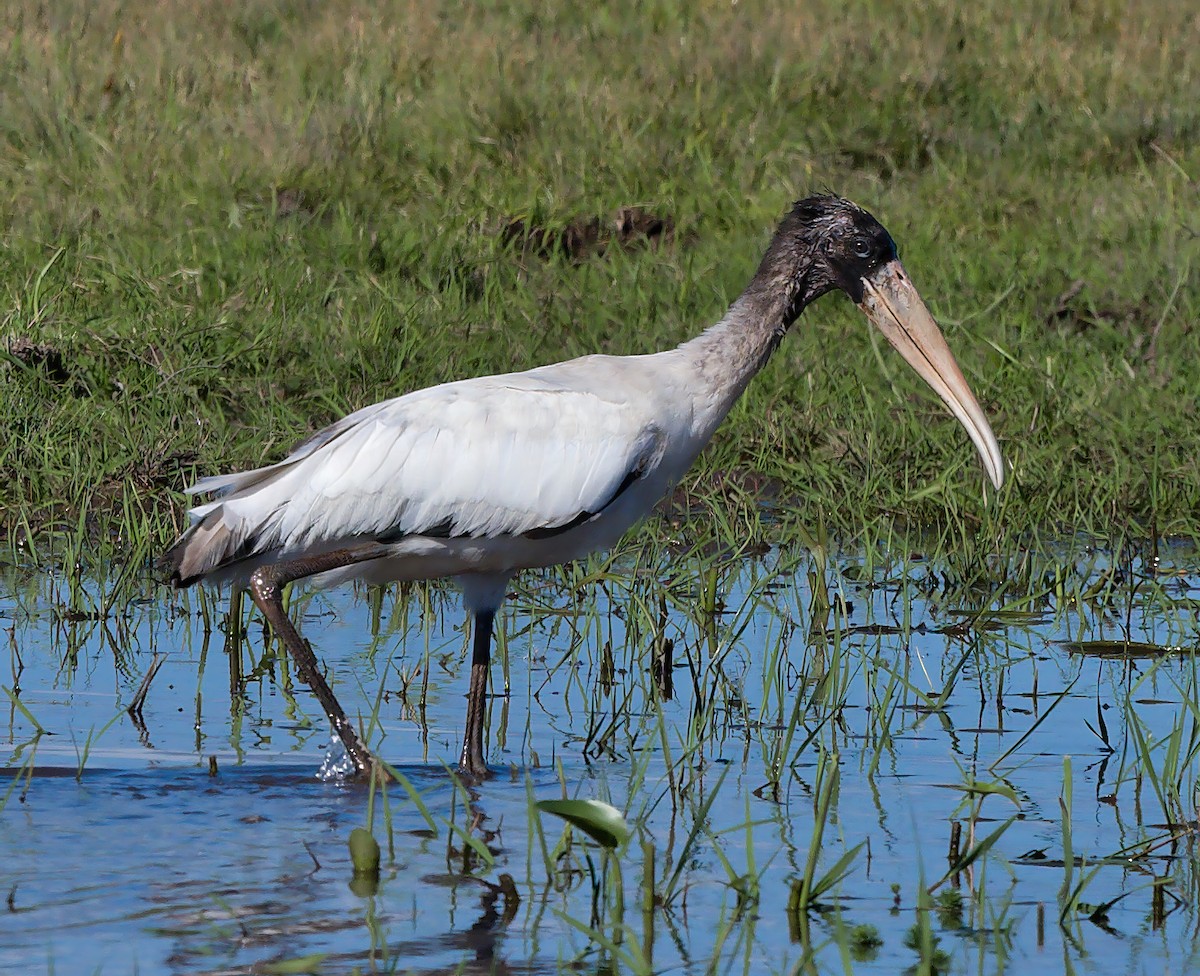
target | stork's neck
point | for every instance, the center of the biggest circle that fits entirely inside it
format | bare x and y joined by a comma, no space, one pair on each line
726,356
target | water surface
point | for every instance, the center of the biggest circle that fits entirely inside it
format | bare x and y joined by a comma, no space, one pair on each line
903,698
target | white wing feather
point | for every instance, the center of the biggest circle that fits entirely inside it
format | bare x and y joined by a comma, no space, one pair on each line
483,457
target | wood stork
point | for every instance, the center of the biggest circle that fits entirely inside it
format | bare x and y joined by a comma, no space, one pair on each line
478,479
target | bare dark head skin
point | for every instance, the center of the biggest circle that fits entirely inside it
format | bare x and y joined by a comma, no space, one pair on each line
824,244
829,244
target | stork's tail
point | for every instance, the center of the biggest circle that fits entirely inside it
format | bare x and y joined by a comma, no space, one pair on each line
223,533
206,547
218,546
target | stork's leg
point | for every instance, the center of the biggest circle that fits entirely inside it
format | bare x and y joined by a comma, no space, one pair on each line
266,587
472,765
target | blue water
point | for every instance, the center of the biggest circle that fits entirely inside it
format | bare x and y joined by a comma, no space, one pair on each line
201,841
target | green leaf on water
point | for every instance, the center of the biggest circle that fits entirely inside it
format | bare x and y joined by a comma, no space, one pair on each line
291,967
977,788
600,821
1119,649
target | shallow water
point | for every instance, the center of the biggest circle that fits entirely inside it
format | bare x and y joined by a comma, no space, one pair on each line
200,839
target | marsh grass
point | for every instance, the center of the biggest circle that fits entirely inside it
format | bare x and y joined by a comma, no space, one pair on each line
225,228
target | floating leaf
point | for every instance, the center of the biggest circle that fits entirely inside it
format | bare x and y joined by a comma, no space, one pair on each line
600,821
286,967
1119,649
977,788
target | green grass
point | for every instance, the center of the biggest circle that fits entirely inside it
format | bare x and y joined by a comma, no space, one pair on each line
226,226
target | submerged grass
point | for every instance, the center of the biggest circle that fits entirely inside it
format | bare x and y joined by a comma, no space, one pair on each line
777,789
225,227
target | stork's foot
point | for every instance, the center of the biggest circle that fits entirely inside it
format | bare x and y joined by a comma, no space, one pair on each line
365,764
266,588
374,772
472,768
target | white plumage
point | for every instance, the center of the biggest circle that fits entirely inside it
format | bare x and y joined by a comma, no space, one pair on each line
469,465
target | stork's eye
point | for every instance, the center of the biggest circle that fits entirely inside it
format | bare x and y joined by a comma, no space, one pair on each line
861,247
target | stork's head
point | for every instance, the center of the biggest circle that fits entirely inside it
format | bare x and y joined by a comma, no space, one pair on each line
827,243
